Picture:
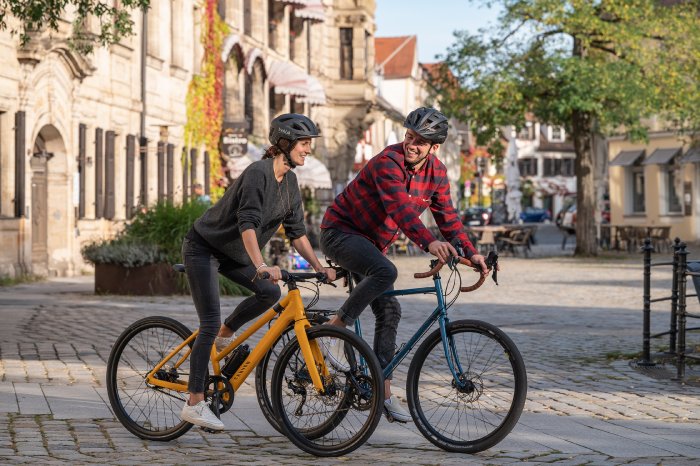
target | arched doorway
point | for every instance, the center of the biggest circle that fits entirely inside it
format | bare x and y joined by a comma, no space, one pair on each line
49,213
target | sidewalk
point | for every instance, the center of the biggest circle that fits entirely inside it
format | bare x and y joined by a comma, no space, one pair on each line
566,316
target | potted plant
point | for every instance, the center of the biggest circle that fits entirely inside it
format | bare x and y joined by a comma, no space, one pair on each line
139,260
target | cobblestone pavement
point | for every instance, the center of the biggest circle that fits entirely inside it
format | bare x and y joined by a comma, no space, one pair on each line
567,317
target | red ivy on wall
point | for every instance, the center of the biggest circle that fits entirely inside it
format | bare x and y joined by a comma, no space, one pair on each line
205,97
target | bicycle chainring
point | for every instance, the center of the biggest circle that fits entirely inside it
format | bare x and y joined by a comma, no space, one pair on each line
220,394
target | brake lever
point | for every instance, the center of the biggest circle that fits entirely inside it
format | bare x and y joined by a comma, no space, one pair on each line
492,264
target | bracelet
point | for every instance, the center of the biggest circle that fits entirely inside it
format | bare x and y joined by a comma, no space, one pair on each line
261,266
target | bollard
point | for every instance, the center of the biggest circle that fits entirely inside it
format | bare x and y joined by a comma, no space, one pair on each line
682,270
646,329
673,329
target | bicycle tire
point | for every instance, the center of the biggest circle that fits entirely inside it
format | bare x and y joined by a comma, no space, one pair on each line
348,411
263,373
496,378
149,413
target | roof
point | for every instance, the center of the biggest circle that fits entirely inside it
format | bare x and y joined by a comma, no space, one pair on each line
662,156
395,55
627,157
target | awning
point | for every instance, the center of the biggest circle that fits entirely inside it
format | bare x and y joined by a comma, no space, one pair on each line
692,156
316,94
313,11
253,54
294,2
287,78
662,156
627,157
313,174
229,43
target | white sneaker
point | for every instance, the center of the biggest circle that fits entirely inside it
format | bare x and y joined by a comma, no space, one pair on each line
223,342
201,415
393,408
333,350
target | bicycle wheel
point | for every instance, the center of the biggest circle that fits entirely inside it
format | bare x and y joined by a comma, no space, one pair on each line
263,373
340,419
480,414
151,413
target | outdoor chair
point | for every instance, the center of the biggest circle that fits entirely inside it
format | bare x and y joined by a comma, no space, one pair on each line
515,239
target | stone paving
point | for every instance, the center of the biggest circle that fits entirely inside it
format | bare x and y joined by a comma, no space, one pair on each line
567,316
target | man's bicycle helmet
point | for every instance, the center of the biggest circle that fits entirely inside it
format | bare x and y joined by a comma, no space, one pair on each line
429,123
292,127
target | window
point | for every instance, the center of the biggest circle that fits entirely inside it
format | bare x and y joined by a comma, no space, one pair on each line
368,63
637,189
345,53
527,132
673,203
247,17
153,25
177,43
527,166
558,167
556,134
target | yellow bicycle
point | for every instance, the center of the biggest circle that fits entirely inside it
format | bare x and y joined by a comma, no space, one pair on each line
324,410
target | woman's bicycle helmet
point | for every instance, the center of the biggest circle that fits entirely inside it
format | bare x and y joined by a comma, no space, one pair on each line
429,123
292,127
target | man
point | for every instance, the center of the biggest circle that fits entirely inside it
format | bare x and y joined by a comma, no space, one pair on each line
387,197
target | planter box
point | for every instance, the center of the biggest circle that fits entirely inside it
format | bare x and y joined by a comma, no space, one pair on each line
149,280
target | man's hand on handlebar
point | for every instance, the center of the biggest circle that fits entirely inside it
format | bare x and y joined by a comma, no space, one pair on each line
480,261
442,250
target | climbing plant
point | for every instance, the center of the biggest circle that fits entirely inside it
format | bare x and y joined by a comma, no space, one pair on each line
205,97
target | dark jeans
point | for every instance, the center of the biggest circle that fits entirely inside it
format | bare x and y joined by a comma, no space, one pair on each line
203,264
374,274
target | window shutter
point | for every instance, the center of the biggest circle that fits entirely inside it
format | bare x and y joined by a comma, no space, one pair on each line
130,155
193,168
109,175
143,158
185,176
206,182
99,173
20,161
82,130
161,171
170,172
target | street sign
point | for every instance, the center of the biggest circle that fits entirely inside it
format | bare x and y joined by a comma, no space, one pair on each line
234,138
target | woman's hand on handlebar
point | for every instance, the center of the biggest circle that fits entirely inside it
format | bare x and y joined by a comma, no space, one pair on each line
273,273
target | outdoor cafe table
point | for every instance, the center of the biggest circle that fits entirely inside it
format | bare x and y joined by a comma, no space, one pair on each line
489,233
614,235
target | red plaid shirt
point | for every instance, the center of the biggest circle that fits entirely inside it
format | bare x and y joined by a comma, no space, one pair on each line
385,197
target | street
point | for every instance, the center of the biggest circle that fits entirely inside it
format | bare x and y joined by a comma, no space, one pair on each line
569,317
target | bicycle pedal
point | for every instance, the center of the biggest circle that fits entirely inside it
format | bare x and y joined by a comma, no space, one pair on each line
210,431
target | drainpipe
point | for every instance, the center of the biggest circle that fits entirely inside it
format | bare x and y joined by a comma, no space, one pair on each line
143,142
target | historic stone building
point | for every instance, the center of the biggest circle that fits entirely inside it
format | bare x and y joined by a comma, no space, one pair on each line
87,140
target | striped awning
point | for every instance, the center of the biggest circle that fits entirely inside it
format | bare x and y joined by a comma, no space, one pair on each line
312,10
289,79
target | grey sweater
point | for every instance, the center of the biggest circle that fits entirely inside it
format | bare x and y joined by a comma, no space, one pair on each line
255,200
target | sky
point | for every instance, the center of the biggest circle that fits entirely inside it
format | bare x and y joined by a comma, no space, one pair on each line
433,21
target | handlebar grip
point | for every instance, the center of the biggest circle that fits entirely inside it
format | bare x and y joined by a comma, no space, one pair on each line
265,275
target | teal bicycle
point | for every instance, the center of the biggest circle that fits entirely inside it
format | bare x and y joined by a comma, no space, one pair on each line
466,384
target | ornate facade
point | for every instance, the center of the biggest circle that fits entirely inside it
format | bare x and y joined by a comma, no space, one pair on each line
87,140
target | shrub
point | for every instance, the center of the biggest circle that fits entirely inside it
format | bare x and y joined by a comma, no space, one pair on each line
155,235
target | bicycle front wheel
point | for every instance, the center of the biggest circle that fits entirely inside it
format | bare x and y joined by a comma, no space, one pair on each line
149,412
342,417
477,412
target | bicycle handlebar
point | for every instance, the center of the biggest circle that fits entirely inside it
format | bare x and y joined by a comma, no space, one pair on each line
491,264
297,276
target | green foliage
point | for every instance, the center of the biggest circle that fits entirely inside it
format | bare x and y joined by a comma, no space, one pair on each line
122,251
153,236
34,15
26,278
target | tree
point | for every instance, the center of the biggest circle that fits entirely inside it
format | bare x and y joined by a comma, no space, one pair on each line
35,15
594,67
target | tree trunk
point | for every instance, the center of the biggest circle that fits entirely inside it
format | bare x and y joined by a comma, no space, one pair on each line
586,243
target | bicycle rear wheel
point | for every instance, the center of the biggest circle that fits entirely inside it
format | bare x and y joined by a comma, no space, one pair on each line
343,417
484,409
151,413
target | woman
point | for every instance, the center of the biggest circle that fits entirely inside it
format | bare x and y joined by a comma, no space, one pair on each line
228,239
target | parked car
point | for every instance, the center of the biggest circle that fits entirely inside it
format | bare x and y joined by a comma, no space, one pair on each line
474,216
535,215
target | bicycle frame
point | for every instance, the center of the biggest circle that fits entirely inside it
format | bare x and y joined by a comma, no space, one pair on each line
439,314
290,310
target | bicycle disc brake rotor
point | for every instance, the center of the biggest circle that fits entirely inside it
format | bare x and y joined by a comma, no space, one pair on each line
220,393
470,388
